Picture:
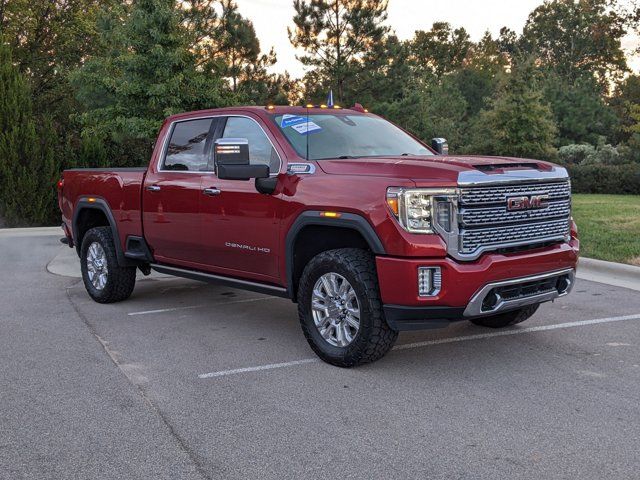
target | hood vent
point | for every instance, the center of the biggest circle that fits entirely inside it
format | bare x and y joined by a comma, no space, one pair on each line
505,166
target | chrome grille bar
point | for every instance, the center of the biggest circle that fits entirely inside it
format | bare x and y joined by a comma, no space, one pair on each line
499,194
513,235
472,217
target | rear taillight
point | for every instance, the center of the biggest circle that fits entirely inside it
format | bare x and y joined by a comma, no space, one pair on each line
60,186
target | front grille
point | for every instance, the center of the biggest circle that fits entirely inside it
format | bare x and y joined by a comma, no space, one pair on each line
485,223
499,194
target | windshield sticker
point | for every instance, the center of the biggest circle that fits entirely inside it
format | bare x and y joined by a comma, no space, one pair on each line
307,128
289,120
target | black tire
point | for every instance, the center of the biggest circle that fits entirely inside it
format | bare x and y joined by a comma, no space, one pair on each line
374,337
506,319
120,281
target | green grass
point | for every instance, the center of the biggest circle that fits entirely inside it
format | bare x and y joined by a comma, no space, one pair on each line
608,226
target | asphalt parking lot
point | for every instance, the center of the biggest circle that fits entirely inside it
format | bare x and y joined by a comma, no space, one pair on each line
189,380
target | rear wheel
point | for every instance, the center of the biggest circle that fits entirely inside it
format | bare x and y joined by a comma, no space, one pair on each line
507,318
340,308
104,279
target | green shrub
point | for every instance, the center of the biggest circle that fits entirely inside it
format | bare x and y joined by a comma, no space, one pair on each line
575,154
28,161
606,155
601,178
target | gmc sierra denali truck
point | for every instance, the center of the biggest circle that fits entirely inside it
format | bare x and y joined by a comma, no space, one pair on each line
368,229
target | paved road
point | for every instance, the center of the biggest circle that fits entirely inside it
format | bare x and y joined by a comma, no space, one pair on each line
187,380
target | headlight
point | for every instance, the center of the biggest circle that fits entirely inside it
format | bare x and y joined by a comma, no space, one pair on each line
419,209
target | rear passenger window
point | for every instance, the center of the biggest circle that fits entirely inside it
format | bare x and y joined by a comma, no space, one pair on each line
261,152
188,148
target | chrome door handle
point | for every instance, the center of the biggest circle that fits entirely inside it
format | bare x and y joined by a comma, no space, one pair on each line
153,188
212,192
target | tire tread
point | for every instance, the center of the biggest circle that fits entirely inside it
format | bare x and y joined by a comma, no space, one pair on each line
361,264
121,280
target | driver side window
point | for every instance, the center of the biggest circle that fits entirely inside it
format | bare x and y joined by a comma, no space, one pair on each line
261,152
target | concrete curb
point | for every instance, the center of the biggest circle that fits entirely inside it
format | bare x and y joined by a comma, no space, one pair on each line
31,232
611,273
67,264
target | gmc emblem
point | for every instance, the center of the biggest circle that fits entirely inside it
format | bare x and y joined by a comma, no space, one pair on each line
526,203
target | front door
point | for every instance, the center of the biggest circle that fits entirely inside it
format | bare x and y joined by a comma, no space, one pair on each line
240,227
172,190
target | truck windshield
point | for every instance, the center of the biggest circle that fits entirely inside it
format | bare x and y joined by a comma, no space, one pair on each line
332,136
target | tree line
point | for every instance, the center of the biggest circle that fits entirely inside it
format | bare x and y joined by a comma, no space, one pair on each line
89,82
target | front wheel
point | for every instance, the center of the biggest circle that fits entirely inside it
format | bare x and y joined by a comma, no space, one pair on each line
506,319
104,279
340,308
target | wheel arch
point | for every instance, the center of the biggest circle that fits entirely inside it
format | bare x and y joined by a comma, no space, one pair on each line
312,234
93,212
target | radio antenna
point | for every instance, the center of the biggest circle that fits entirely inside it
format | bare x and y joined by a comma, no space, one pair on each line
307,135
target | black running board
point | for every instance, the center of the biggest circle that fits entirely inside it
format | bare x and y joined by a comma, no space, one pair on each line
219,279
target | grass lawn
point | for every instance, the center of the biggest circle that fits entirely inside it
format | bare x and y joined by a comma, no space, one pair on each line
608,226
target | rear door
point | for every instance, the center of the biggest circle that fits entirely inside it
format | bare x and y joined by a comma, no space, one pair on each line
240,226
172,190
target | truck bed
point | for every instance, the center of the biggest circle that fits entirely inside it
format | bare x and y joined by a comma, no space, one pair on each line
119,188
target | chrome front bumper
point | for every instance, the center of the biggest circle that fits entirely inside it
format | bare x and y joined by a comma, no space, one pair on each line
511,294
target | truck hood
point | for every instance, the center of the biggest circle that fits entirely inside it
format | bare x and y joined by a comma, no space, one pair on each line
440,170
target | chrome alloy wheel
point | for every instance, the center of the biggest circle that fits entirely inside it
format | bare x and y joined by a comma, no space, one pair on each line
97,266
335,308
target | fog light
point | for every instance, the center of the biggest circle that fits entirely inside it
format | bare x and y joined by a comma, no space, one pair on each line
429,281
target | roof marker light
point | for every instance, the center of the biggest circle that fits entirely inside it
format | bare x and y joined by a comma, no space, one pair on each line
270,107
309,105
337,107
330,214
323,106
91,200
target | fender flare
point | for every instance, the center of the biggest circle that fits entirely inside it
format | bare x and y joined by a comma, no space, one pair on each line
312,217
103,206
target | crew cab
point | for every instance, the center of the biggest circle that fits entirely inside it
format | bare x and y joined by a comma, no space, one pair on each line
368,229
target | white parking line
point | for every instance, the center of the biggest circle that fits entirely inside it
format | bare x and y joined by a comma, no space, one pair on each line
406,346
259,367
175,309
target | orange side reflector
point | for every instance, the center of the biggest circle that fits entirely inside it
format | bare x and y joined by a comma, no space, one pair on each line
330,214
393,204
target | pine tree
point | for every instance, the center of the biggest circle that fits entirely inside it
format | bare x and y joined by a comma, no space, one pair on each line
147,73
28,165
519,123
336,34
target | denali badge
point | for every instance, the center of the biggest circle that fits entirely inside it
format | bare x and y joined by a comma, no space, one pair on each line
527,203
251,248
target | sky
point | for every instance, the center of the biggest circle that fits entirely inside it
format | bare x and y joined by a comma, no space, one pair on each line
272,17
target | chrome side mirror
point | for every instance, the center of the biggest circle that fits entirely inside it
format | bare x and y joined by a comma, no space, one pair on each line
231,157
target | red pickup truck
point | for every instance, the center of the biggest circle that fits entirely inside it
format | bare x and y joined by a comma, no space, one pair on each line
368,229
